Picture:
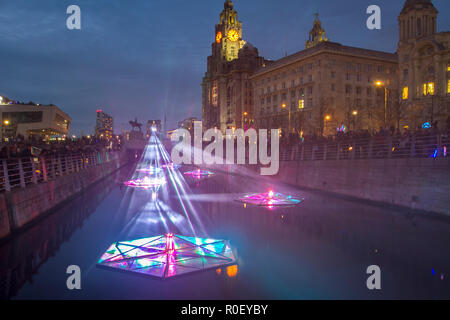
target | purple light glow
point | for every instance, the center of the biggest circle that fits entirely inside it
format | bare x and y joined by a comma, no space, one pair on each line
171,166
146,182
150,170
199,173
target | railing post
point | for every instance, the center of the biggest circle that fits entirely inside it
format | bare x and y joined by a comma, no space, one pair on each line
313,152
77,163
67,167
33,168
413,145
60,166
44,169
6,175
21,174
389,145
325,150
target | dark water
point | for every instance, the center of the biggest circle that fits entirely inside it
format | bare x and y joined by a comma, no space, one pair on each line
318,250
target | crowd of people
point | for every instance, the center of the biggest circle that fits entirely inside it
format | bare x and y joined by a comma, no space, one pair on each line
19,148
295,139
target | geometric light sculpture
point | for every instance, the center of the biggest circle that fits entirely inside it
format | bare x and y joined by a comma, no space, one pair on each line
167,256
199,173
171,166
270,199
150,170
146,182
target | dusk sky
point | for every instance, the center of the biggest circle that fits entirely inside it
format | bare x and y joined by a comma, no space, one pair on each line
139,58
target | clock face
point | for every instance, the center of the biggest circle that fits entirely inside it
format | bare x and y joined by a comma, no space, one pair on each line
233,35
218,37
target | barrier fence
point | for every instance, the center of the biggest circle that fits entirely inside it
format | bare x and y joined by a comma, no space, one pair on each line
376,147
20,172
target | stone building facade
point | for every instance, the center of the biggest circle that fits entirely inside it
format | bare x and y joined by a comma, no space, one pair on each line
424,64
326,88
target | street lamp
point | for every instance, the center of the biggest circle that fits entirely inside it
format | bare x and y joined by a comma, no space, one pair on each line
354,113
283,106
381,84
6,122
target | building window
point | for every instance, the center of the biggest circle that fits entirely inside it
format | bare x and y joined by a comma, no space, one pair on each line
358,90
405,74
448,86
310,90
333,74
310,103
301,103
428,88
358,77
333,88
448,66
293,94
348,89
348,76
369,91
302,92
405,93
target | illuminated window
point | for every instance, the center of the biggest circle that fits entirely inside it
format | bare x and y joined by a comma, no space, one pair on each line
405,93
448,66
431,87
301,103
448,86
428,88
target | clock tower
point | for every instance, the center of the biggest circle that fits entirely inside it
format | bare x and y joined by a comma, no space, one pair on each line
226,87
228,34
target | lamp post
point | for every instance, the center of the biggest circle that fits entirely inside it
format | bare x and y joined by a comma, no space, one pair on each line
383,85
283,106
326,119
354,113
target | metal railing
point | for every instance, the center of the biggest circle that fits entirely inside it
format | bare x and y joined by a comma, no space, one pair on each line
376,147
20,172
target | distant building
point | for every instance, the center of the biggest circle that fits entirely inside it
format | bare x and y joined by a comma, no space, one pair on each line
188,123
104,125
153,126
424,62
32,120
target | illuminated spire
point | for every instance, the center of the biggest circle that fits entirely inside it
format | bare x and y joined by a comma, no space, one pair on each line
317,34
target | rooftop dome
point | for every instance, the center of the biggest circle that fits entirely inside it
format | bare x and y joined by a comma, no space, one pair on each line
409,4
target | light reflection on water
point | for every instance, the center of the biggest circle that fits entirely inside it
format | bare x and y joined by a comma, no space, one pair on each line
320,249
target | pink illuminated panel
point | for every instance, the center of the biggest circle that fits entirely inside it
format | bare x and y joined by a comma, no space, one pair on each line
270,199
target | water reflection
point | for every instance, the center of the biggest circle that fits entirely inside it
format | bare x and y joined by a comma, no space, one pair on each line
318,250
26,252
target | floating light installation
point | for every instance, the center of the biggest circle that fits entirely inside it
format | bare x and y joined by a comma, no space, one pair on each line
270,199
166,256
146,182
199,173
